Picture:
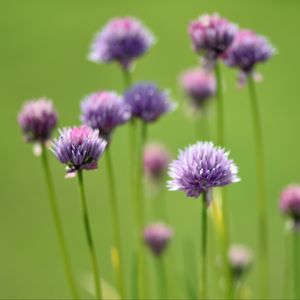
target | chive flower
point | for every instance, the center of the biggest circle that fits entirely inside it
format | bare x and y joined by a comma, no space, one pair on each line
148,102
37,120
79,148
122,40
199,168
290,204
104,111
157,237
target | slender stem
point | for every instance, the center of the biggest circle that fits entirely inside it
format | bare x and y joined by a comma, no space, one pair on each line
126,78
116,224
58,224
261,190
161,278
296,264
203,284
89,237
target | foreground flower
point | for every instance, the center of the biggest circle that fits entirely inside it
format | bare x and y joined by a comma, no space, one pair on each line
247,50
199,85
37,120
211,35
79,148
201,167
157,237
147,102
104,111
240,259
156,159
290,203
121,40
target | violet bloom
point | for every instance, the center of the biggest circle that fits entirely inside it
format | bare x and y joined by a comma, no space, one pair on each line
290,203
104,111
247,50
240,259
199,85
122,40
156,159
37,120
211,35
79,148
201,167
147,102
157,237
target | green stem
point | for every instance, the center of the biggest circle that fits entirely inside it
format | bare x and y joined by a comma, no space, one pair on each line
126,78
89,237
296,264
161,278
58,225
203,284
116,224
261,190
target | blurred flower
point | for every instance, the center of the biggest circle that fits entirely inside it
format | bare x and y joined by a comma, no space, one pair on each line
156,159
246,51
147,102
121,40
104,111
157,236
240,259
37,120
199,85
290,203
79,148
201,167
211,35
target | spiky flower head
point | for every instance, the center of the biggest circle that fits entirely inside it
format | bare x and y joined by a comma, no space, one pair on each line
290,203
37,120
79,148
199,85
247,50
104,111
201,167
211,35
147,101
156,159
157,237
122,40
240,259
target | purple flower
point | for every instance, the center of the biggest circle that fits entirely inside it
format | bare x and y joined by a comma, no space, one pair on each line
147,102
247,50
211,35
201,167
157,236
121,40
79,148
156,159
240,259
104,111
37,120
290,203
199,85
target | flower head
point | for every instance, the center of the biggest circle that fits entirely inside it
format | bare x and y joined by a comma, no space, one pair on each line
247,50
104,111
147,102
240,259
37,120
290,203
79,148
121,40
201,167
199,85
156,159
157,236
211,35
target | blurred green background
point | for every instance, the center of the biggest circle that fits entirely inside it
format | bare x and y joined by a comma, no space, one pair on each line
44,45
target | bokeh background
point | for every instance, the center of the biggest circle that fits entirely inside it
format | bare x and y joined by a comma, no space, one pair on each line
44,45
